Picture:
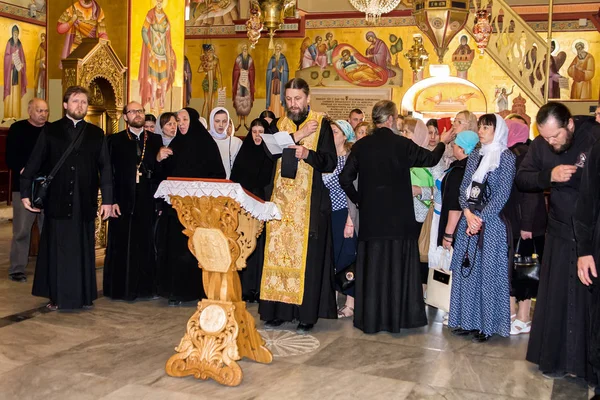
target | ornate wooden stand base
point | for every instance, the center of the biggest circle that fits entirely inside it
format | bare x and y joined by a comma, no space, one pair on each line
218,334
221,331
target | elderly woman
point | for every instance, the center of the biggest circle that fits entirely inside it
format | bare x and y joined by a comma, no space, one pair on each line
342,225
480,299
389,296
527,215
166,127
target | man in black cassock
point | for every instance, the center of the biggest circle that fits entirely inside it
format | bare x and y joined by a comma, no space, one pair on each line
297,282
66,271
586,222
130,265
555,160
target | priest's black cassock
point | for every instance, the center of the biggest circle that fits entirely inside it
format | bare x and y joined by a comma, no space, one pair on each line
130,263
587,231
389,295
195,155
558,338
253,169
319,293
66,271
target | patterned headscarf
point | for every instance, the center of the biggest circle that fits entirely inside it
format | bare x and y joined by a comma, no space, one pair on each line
347,129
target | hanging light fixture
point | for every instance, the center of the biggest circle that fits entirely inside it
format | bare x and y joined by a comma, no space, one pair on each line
374,8
440,21
270,15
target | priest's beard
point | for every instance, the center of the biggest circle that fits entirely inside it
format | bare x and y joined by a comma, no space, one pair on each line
77,115
137,123
297,116
566,146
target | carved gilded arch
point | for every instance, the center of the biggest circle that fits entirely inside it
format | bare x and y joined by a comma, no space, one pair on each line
92,62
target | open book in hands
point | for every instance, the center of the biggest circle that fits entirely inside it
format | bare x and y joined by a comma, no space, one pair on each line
277,141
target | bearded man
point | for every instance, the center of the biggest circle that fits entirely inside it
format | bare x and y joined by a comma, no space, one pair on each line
66,264
554,162
130,266
297,281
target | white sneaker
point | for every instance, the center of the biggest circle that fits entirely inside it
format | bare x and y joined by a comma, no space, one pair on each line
445,321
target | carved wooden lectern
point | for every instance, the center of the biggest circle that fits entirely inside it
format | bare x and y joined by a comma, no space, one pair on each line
222,222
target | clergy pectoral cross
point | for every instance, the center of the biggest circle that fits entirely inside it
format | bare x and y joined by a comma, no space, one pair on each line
137,176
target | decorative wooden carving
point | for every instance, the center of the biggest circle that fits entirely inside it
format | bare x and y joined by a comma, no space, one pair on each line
221,236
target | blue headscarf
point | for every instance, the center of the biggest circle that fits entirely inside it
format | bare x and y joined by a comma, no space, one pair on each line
347,129
467,140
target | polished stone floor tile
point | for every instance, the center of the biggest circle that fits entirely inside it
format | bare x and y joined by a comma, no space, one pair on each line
329,383
427,392
130,392
33,382
31,340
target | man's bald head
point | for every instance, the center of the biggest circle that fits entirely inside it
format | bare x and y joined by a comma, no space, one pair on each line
38,112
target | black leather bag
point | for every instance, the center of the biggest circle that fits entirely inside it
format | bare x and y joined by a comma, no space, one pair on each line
345,278
41,184
526,267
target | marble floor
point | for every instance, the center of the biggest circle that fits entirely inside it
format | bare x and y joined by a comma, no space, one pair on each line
118,350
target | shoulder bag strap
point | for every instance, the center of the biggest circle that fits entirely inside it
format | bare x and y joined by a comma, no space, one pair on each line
66,154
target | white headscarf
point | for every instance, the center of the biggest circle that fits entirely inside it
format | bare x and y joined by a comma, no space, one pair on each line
491,152
213,132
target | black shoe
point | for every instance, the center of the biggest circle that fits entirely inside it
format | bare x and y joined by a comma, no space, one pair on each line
274,323
18,277
464,332
88,306
480,337
304,328
174,302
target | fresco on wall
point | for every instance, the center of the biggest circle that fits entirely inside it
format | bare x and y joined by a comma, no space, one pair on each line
278,71
20,41
557,60
331,63
15,77
158,62
40,5
40,69
581,70
501,98
213,12
242,89
157,65
463,56
212,81
450,98
82,19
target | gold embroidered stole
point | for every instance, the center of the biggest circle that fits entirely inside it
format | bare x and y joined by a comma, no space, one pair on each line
287,239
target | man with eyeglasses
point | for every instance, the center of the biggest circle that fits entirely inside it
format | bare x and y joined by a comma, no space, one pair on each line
129,266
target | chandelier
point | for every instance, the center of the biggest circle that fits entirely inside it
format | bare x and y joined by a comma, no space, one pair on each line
267,14
374,8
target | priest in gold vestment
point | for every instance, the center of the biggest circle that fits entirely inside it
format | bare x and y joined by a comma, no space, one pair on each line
297,281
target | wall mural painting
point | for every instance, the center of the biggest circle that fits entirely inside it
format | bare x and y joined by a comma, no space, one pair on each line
557,60
40,5
329,63
212,82
450,98
187,81
40,69
213,12
83,19
15,76
158,62
242,93
278,73
463,56
501,98
581,70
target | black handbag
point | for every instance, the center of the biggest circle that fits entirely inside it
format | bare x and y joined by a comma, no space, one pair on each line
526,267
40,184
345,278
